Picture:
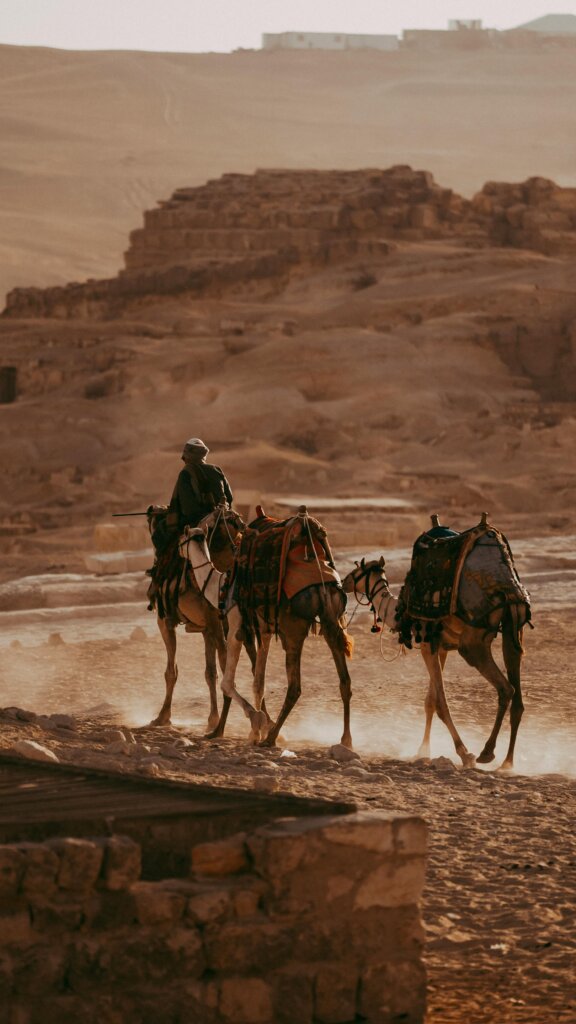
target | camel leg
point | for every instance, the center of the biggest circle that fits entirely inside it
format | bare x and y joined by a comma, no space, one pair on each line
233,651
260,729
168,634
335,640
293,644
512,660
211,675
479,656
432,661
429,709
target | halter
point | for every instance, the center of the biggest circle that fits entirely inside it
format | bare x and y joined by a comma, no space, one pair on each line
372,593
221,515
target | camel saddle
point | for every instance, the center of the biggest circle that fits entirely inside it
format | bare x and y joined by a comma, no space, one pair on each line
279,558
465,574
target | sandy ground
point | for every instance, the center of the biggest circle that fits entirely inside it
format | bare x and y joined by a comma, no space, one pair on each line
499,905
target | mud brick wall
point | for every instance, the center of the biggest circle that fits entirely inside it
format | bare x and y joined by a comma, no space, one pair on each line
303,921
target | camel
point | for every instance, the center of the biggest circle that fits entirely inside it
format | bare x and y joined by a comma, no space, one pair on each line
296,616
198,607
367,581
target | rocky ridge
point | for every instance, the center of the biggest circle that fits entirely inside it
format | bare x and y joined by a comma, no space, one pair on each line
255,231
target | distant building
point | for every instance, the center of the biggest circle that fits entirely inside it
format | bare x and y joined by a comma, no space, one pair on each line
465,25
461,34
327,41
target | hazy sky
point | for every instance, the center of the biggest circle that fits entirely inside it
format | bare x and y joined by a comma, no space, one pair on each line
203,25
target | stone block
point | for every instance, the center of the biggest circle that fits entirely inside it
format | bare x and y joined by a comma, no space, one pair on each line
335,992
80,863
41,866
210,906
410,836
15,928
293,995
251,948
395,883
225,857
155,905
39,970
11,871
246,902
246,1001
393,991
121,865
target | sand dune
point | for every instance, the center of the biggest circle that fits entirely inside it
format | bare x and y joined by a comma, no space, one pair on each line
90,140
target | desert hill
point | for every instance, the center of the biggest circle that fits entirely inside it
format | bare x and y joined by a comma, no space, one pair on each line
90,140
417,347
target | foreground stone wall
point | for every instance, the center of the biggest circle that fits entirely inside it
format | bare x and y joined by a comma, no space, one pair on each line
312,920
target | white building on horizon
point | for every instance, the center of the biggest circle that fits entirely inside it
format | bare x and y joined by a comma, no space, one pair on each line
327,41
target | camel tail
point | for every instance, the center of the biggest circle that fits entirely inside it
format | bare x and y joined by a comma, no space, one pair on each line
346,639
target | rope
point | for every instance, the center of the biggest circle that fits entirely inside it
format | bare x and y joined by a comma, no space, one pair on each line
306,520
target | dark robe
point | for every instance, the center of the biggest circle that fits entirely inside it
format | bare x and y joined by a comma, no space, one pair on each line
199,488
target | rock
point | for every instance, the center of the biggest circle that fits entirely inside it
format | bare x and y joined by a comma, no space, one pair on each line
19,714
128,735
80,862
356,771
138,633
183,743
343,754
55,640
34,751
444,763
120,747
122,862
226,857
64,722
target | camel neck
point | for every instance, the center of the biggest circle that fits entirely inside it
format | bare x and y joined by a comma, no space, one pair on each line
206,575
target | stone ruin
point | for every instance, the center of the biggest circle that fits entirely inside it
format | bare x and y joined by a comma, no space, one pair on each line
244,231
297,921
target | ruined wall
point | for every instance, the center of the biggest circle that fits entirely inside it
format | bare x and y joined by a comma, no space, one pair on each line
299,921
241,230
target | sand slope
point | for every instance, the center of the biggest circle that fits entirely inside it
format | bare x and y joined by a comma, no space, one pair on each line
90,140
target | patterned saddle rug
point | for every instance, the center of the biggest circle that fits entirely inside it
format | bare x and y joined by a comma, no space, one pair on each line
276,558
467,574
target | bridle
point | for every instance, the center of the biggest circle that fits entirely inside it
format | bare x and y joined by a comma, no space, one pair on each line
363,572
223,515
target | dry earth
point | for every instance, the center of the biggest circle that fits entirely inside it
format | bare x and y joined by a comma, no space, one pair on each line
90,140
499,905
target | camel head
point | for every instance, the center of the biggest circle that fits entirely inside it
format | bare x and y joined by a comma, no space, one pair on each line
364,576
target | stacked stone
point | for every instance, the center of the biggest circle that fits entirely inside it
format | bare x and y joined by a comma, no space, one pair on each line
300,921
536,214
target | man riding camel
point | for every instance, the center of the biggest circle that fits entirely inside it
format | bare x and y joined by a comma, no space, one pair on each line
200,487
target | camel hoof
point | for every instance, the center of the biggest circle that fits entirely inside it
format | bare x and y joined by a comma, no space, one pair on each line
160,721
469,760
505,768
346,741
268,743
216,734
485,757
